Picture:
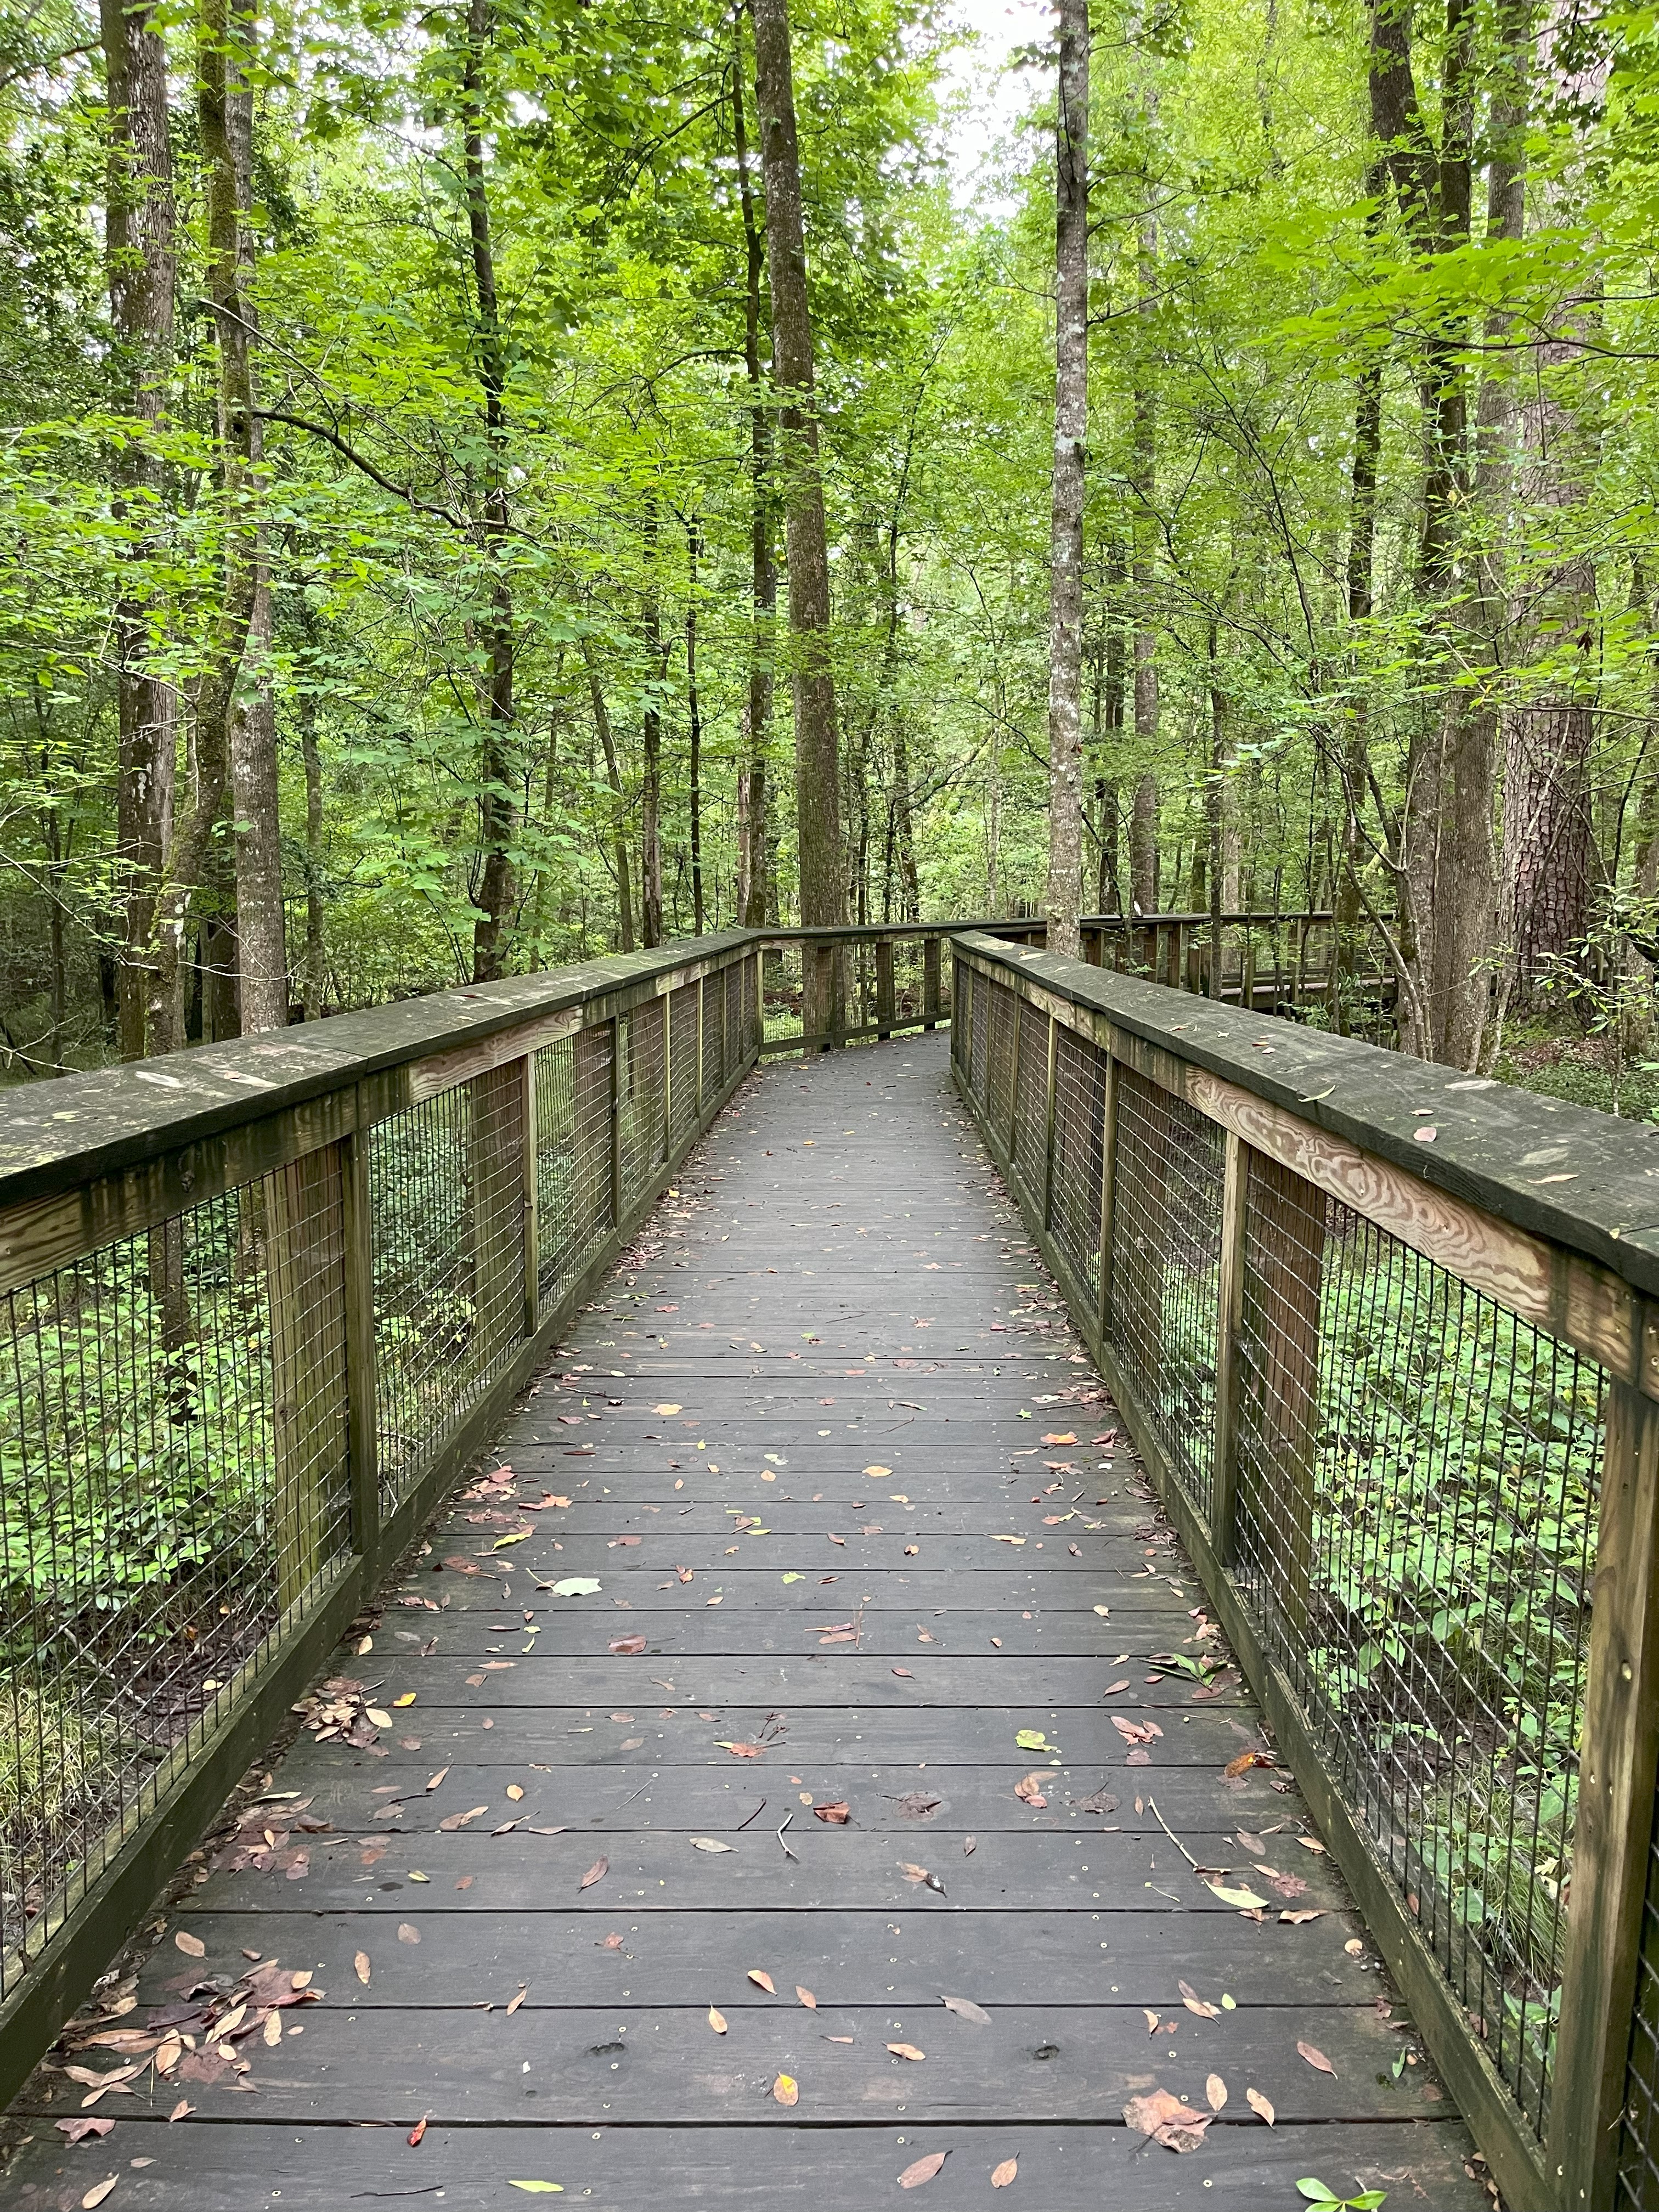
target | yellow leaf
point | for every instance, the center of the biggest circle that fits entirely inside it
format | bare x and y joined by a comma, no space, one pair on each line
787,2089
407,1699
517,1537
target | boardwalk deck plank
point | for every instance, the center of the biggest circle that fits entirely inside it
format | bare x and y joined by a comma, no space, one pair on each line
873,1283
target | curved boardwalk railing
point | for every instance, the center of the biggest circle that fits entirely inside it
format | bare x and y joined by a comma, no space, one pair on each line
258,1302
1384,1334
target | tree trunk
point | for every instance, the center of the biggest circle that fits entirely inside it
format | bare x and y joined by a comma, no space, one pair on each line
693,714
497,761
138,231
651,784
817,770
752,871
613,774
1065,535
1143,820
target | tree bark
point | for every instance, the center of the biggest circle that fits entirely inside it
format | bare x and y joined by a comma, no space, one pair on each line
817,771
752,871
498,762
139,240
1144,811
1066,534
613,774
693,714
651,783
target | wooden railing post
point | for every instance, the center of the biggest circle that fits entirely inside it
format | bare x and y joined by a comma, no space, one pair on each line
305,1265
1613,1824
702,980
1287,1269
615,1121
930,978
1015,1016
887,996
1230,1313
496,1157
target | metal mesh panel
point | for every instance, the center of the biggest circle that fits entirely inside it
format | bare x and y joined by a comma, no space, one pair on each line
572,1151
750,1011
640,1092
732,980
1418,1475
447,1196
999,1053
1079,1130
1166,1238
172,1482
713,1039
977,996
682,1054
1032,1108
781,983
1638,2147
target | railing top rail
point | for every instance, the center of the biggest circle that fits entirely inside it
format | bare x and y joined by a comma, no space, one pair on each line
1579,1178
55,1135
1200,918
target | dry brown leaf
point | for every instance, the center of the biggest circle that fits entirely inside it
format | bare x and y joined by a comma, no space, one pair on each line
1154,2020
762,1980
786,2090
456,1821
418,2131
271,2033
181,2111
1028,1788
515,1791
1064,1437
1194,2002
906,2051
965,2008
192,1946
628,1646
1003,2174
1167,2120
407,1933
1316,2058
1258,2103
717,2020
512,2003
837,1816
1215,2092
78,2130
98,2192
362,1967
1296,1919
437,1778
806,1998
923,2169
597,1872
1245,1761
1311,1844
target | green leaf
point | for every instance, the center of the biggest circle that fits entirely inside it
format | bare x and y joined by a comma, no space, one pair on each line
1316,2192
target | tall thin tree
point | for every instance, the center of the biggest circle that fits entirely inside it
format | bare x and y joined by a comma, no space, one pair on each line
1065,535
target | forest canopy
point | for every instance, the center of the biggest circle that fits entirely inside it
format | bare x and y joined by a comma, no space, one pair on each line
415,416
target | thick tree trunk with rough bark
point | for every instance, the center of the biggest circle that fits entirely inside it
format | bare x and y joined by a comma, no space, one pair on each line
817,769
139,237
1065,535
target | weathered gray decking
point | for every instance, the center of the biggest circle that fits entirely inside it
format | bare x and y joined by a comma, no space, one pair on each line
827,1337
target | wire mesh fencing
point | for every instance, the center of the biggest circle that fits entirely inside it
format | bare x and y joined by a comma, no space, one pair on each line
178,1496
1410,1511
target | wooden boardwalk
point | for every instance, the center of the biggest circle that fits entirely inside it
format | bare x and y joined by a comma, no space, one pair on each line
800,1450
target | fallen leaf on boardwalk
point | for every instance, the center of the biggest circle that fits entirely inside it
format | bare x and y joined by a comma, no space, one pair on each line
665,1409
1245,1761
407,1699
475,1682
1007,1539
1296,1919
1002,2175
407,1932
192,1946
1316,2058
181,2111
1034,1740
1030,1787
1167,2120
631,1646
612,1942
512,2003
1105,1611
96,2195
919,1873
740,1750
762,1980
906,2051
686,1574
923,2169
1112,1689
806,1998
786,2090
1215,2092
904,1673
380,1719
612,1542
879,1470
271,2034
1311,1844
1062,1437
1099,1800
837,1816
1136,1731
841,1540
418,2130
437,1778
539,2188
515,1791
710,1844
455,1820
517,1537
1194,2002
965,2008
917,1806
970,1846
717,2020
597,1872
576,1586
1154,2020
1258,2103
1244,1900
360,1964
78,2130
